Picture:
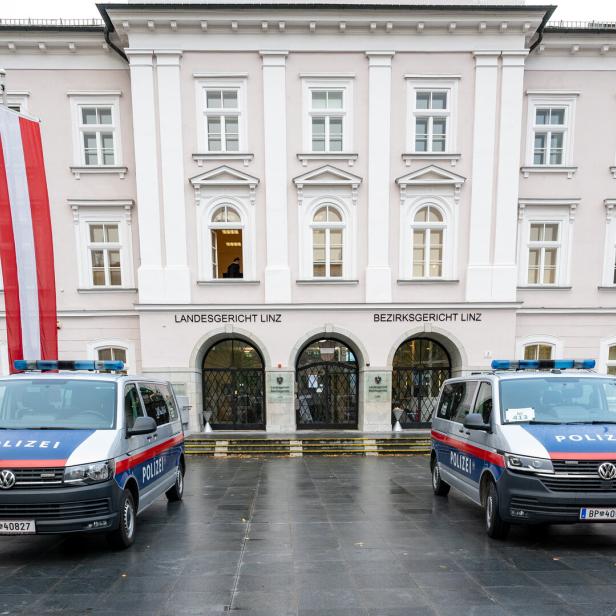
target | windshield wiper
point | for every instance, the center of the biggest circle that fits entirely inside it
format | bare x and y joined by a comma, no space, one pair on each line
544,423
50,428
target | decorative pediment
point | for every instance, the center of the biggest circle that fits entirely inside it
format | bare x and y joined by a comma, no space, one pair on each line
224,177
327,176
432,176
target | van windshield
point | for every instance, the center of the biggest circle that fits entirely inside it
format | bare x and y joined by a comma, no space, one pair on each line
558,400
55,404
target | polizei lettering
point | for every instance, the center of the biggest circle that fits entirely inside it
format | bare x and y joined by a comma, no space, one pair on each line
462,463
153,469
578,438
25,444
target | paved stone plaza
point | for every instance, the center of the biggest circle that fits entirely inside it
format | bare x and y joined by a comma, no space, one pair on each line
313,536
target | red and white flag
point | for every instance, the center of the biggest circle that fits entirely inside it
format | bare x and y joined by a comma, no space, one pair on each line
26,247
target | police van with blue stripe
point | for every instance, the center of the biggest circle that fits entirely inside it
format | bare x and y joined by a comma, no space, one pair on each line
532,442
85,448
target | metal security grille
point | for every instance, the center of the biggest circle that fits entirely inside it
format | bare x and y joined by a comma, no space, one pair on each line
234,386
421,366
327,395
235,397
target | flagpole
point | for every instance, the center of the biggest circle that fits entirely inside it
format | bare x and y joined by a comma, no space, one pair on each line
2,87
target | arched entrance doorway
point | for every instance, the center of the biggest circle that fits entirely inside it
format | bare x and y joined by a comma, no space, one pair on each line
419,368
327,377
234,385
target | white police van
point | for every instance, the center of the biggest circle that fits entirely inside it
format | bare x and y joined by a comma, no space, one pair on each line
84,449
532,442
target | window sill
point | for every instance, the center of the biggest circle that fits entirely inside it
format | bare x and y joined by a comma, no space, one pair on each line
106,290
245,157
408,157
611,287
544,287
613,171
326,281
427,281
85,170
224,281
569,171
349,157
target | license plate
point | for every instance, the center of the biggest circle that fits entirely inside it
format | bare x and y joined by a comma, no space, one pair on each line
598,514
17,527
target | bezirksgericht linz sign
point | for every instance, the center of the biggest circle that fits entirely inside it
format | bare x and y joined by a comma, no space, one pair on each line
427,317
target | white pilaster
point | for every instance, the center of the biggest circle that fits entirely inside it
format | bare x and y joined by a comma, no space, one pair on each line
277,283
479,273
378,271
177,274
150,273
507,188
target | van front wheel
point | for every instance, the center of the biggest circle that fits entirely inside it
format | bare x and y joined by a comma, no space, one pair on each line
495,526
124,536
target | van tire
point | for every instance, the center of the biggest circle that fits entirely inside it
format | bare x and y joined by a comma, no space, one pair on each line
439,487
124,536
175,493
496,528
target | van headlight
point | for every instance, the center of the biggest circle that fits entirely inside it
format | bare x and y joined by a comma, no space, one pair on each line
85,474
528,464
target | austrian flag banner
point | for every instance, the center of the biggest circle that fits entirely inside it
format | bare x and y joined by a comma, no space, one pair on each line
26,247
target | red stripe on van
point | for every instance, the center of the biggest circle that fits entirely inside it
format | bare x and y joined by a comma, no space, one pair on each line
131,461
31,463
483,454
576,455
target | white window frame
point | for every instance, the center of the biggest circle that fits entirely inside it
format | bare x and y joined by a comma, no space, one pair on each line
83,217
346,113
408,211
416,84
4,359
609,252
556,344
103,343
604,353
18,98
221,83
550,101
327,227
80,101
248,226
555,214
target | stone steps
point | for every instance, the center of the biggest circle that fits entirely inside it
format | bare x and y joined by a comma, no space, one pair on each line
295,446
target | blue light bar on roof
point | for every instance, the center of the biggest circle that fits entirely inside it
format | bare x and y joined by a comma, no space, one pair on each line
45,365
543,364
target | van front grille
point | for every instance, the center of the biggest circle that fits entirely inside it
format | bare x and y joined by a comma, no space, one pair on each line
38,477
56,511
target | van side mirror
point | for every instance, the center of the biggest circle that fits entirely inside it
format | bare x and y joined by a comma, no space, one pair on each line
142,425
474,421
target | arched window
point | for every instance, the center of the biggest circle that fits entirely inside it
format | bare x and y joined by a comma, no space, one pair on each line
538,351
428,229
226,232
327,243
611,359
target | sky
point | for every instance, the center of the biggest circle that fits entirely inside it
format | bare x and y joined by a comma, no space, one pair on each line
570,10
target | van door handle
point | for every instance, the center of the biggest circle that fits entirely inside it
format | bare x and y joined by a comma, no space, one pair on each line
461,430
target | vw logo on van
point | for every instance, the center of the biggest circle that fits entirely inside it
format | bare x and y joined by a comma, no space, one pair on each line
607,471
7,479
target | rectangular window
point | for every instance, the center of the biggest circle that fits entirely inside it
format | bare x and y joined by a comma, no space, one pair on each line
431,113
538,351
104,250
327,120
97,135
543,253
222,116
549,135
155,403
132,405
327,251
